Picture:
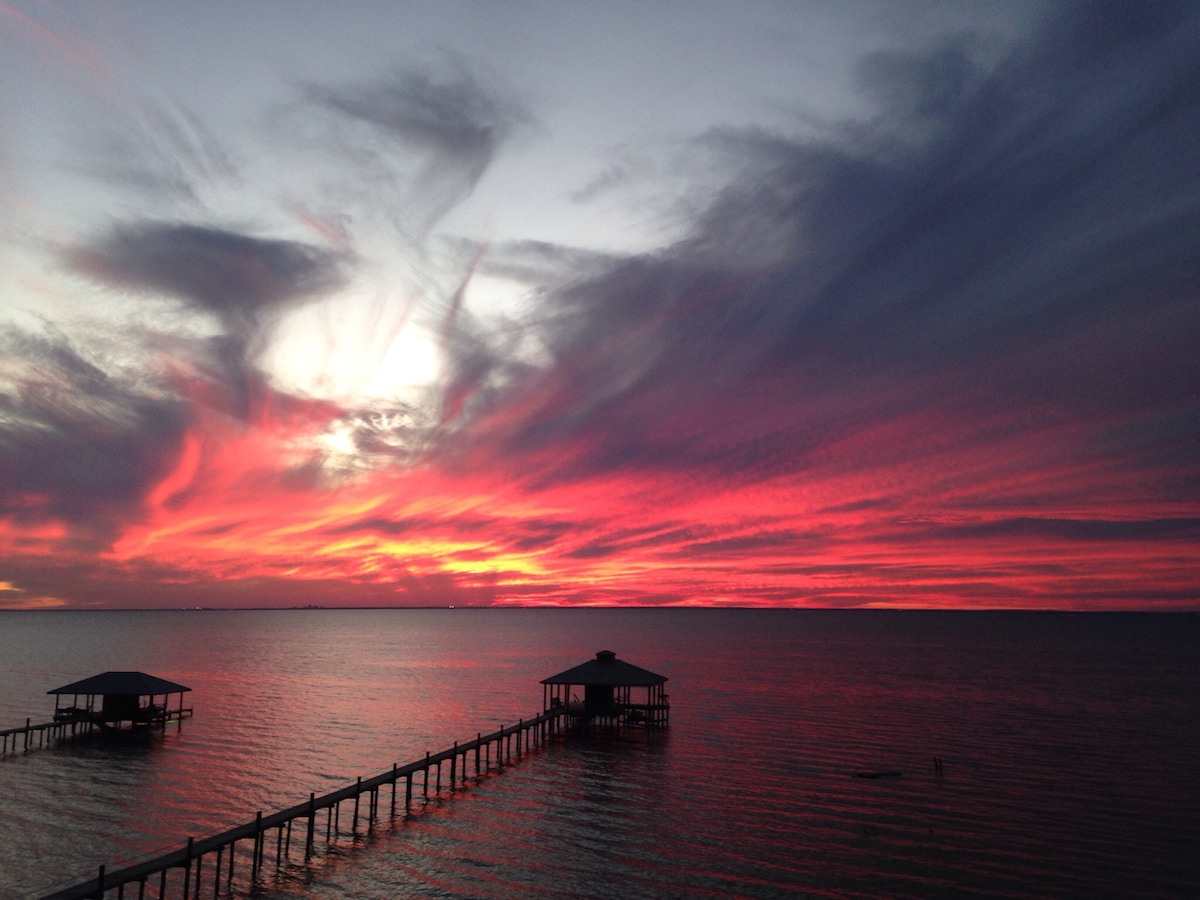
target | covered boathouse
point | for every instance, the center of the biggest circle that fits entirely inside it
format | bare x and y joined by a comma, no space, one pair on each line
125,699
614,691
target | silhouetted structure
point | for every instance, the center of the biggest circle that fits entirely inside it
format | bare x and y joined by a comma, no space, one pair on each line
608,692
608,685
248,847
125,698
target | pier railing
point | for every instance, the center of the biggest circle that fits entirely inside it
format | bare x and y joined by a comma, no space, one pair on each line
183,873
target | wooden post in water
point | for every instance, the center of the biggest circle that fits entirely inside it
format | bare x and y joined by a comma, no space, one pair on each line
199,866
256,850
426,774
478,741
394,779
187,870
357,794
453,764
407,793
312,824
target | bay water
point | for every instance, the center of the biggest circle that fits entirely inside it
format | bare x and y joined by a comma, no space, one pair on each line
1067,742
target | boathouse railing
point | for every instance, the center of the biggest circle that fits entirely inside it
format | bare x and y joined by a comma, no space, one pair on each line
222,847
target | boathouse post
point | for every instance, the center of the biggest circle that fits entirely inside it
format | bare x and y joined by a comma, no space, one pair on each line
394,780
453,764
478,741
426,774
407,792
357,794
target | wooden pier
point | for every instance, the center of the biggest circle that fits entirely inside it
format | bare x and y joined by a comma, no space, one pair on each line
608,703
30,736
208,864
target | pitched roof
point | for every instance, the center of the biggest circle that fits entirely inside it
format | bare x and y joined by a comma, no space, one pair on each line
608,670
138,683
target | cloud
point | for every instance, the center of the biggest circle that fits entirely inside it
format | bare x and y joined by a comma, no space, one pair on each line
1011,233
420,139
235,276
947,350
77,443
244,282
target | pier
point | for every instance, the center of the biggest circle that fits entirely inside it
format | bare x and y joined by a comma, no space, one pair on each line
30,736
208,864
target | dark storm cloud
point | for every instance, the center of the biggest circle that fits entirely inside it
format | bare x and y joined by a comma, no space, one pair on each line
79,444
1009,232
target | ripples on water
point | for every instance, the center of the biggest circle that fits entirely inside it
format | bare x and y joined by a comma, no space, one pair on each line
1067,741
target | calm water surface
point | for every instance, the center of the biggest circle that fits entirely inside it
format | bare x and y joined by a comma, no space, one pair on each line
1068,741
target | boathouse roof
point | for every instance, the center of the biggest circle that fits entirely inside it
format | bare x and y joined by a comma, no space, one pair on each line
607,669
128,683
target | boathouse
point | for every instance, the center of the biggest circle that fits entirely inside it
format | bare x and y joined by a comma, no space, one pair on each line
612,689
125,698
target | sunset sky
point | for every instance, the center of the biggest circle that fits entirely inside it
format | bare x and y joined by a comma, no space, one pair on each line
696,303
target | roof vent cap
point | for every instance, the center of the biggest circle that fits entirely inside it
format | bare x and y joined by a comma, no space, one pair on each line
606,656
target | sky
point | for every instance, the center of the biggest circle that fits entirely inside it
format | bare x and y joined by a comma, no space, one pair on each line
826,304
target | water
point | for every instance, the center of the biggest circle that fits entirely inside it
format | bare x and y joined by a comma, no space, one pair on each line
1068,741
